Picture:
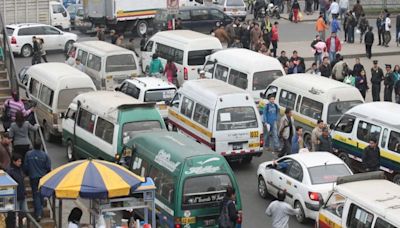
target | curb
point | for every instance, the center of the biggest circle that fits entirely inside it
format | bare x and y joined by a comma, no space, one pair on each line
352,56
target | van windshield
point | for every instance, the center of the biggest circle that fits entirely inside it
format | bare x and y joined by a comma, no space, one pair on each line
130,129
235,118
262,79
337,109
204,191
159,95
122,62
66,96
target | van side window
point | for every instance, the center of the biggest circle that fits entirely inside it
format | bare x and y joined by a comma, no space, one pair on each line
201,114
346,124
359,217
196,58
216,15
380,223
184,15
94,62
287,99
394,142
86,120
167,52
335,204
367,131
46,95
187,107
384,137
140,167
149,46
82,55
199,14
221,73
237,79
104,130
164,183
34,87
311,108
131,90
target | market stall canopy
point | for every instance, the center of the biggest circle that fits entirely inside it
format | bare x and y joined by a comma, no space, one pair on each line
93,179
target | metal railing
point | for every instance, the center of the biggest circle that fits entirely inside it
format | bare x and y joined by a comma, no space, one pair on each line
9,61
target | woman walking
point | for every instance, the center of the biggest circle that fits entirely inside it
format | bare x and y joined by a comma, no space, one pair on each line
42,52
170,71
361,83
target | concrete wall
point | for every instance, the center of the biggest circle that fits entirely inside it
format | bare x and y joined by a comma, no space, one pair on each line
377,3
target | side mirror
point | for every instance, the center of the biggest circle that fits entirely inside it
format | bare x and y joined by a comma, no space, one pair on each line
167,103
262,95
142,49
198,70
117,89
62,115
332,126
321,201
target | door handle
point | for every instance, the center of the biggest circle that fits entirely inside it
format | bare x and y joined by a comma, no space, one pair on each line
280,178
295,186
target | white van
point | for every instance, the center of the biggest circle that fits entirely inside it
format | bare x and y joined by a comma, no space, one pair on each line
379,120
361,200
188,50
312,97
53,86
219,115
107,64
59,16
243,68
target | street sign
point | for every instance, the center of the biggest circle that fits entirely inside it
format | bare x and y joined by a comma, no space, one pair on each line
173,6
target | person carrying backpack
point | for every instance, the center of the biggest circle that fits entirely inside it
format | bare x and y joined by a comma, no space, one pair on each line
228,213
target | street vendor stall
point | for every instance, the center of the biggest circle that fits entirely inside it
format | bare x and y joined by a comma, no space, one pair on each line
109,187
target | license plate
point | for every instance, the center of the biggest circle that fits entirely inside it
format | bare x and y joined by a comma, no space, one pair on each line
235,10
237,146
162,106
252,145
188,220
253,134
209,222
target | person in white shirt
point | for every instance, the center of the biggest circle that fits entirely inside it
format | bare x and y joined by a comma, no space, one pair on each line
78,65
343,7
386,35
280,211
334,9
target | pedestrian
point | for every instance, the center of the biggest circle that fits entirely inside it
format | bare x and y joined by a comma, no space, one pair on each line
377,77
397,27
291,68
36,57
236,43
100,33
343,8
388,81
255,36
42,52
78,65
131,45
363,26
275,38
321,26
396,72
37,164
228,213
233,30
371,156
333,46
319,47
143,42
178,24
358,10
334,9
283,59
245,29
324,6
335,25
397,91
5,155
250,5
286,131
280,211
340,70
156,68
325,68
316,133
19,132
297,140
270,119
113,36
12,106
308,7
120,40
170,71
202,74
74,217
298,62
350,79
351,23
314,69
357,67
369,41
361,83
222,36
316,5
380,25
266,27
296,10
325,141
386,35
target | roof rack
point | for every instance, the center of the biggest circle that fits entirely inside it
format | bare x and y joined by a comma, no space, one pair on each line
376,175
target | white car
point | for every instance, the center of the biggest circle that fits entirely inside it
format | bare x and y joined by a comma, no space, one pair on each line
20,36
150,89
305,176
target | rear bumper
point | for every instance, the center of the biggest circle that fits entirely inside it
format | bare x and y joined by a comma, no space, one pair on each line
238,156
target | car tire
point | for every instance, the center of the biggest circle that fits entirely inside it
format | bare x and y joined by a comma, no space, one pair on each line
68,45
26,51
142,27
396,179
262,187
300,217
70,151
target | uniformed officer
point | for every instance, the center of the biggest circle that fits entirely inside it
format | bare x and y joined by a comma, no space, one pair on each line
389,83
376,81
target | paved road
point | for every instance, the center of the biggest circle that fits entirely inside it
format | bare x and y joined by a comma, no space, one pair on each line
254,206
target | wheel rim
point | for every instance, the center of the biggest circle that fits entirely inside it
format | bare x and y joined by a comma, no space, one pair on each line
26,51
69,152
261,187
69,44
142,28
396,179
299,216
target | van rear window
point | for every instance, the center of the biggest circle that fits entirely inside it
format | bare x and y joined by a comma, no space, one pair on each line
196,58
122,62
204,191
235,118
131,128
66,96
234,3
262,79
159,95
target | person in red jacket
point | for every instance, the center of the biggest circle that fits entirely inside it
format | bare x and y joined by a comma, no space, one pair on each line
333,46
275,38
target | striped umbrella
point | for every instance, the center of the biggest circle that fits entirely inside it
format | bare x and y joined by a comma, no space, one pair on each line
93,179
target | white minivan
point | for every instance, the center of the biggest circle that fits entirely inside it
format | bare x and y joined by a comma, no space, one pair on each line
107,64
220,116
243,68
59,16
187,49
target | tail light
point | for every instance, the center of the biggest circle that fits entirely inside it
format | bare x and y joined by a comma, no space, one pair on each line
185,73
169,25
55,118
261,140
177,226
314,196
213,144
240,218
224,9
13,40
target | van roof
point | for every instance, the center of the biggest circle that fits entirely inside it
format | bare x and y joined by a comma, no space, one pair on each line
382,112
111,101
54,74
150,83
195,39
245,59
381,195
103,48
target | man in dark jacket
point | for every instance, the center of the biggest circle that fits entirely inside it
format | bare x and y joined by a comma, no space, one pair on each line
325,68
388,81
397,26
228,212
376,81
325,141
298,62
371,156
4,151
369,40
36,57
381,28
